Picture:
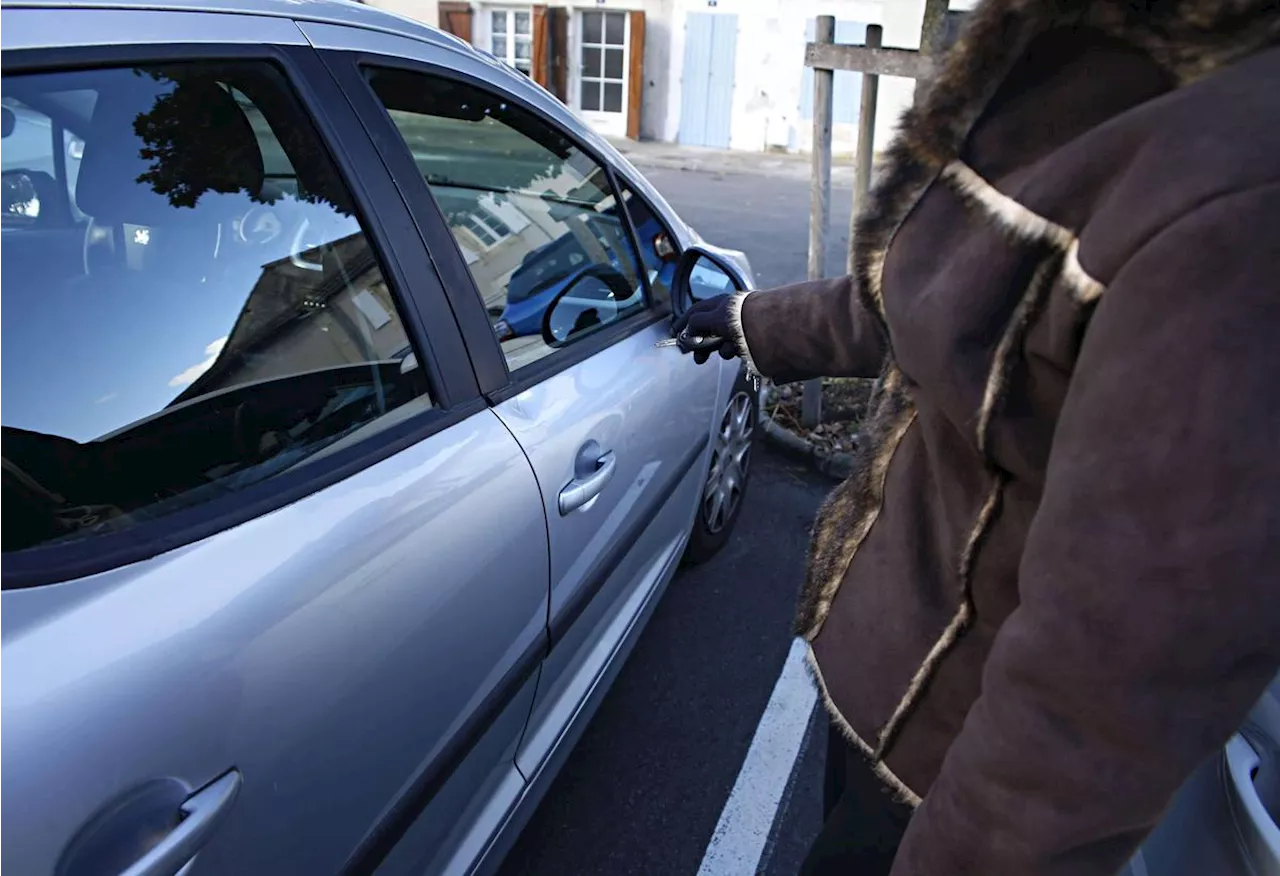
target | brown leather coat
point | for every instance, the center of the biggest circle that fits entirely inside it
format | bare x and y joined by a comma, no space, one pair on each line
1052,587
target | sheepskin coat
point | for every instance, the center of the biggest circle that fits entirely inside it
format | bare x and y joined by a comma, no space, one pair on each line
1051,587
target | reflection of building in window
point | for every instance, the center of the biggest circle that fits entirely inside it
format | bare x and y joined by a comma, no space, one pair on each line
487,228
298,320
511,37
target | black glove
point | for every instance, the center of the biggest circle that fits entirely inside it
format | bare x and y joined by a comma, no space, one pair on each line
709,318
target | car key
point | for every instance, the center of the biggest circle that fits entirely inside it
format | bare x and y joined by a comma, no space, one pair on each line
692,343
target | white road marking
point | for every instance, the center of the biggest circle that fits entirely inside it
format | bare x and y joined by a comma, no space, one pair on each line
748,815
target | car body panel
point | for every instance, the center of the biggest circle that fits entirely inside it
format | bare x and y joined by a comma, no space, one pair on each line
1223,819
45,27
623,400
290,648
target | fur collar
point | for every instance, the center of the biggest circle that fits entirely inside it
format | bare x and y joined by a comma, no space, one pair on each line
1189,38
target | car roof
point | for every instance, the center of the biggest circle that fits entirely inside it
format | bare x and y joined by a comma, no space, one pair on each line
342,12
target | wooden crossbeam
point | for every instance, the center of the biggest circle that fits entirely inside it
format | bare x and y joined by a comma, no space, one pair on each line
863,59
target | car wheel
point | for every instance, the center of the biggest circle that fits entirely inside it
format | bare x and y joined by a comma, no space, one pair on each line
726,486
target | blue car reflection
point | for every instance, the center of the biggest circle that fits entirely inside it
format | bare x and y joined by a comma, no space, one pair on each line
551,268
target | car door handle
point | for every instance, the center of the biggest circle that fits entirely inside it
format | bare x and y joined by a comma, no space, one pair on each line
589,483
204,811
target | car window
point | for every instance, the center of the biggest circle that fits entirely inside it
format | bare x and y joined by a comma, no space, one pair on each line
534,216
224,320
658,248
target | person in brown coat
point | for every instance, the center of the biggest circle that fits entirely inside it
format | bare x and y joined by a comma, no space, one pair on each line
1051,588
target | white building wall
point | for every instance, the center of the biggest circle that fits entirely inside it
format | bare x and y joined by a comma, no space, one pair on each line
769,67
770,63
426,11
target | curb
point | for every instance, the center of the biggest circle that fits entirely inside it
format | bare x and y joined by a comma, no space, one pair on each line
837,466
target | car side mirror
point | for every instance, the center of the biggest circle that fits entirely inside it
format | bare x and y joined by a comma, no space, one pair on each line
592,298
702,274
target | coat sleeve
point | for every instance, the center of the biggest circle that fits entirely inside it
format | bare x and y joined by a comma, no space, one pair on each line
1149,614
814,329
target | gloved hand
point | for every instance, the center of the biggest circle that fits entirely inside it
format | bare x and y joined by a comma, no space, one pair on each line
710,318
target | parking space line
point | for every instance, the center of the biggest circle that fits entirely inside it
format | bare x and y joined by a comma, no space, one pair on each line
747,818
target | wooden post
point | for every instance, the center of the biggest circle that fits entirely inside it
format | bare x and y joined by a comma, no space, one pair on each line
819,199
866,138
933,30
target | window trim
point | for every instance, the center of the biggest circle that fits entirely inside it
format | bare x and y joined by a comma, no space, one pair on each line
497,381
401,255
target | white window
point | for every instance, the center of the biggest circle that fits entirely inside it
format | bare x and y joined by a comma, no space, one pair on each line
511,37
604,61
487,227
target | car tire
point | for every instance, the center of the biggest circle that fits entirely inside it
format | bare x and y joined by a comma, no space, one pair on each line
726,486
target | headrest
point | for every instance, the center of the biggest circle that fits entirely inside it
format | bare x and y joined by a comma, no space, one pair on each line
157,144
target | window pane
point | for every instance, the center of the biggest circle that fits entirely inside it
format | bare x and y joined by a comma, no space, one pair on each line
590,95
549,207
522,22
524,50
613,97
657,247
499,47
592,24
216,318
591,63
613,63
615,28
499,21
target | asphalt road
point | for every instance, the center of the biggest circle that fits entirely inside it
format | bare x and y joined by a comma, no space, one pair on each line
765,217
643,790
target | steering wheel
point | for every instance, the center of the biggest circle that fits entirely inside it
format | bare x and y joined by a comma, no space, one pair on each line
285,224
260,225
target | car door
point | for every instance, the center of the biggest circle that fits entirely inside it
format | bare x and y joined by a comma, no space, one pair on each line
1224,820
617,430
275,577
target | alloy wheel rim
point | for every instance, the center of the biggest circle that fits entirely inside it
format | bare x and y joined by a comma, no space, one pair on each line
729,463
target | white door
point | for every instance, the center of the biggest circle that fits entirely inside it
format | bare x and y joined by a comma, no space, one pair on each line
603,61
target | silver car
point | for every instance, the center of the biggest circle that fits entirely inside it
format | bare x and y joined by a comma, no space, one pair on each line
341,469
